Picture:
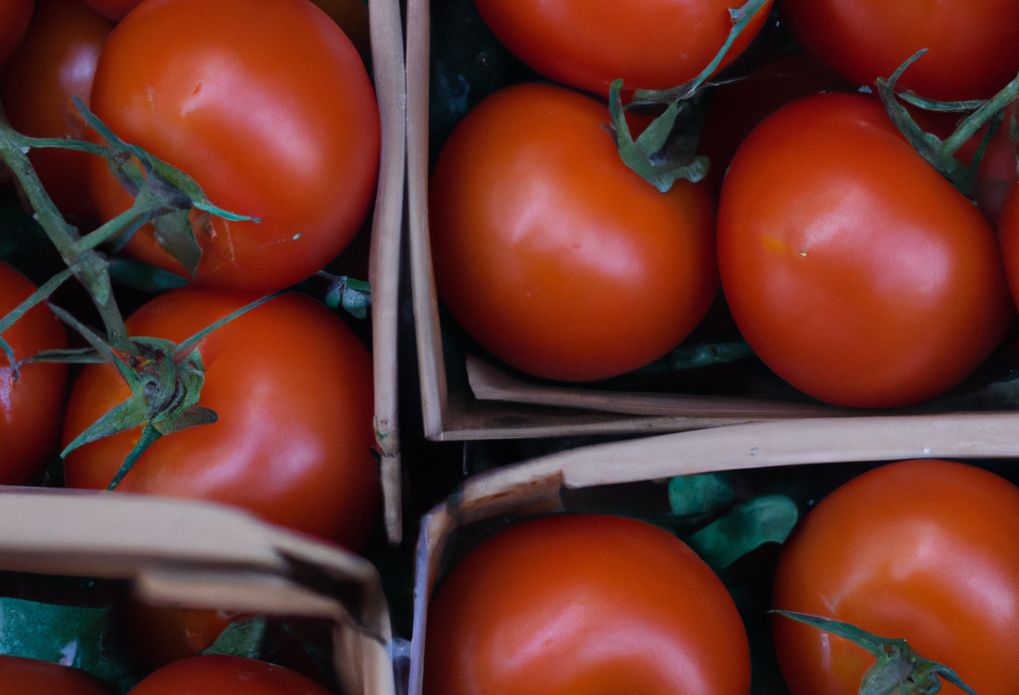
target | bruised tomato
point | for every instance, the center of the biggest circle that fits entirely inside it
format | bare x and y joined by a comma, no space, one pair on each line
20,675
292,387
920,550
555,256
268,106
649,44
31,400
226,675
852,268
579,604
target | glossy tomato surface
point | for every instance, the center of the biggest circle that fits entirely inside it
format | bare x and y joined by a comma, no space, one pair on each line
14,18
55,62
852,268
226,675
922,550
650,44
269,107
573,605
292,387
970,43
20,675
31,402
554,255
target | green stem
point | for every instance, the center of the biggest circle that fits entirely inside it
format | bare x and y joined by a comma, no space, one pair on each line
976,120
149,435
88,266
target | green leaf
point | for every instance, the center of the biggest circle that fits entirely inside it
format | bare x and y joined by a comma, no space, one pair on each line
126,416
767,519
707,493
70,635
174,233
242,638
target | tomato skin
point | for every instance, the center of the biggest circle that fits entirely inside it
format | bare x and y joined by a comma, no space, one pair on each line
582,604
31,406
851,267
292,386
113,9
971,43
21,675
226,675
635,41
55,62
271,111
14,18
551,253
923,550
162,634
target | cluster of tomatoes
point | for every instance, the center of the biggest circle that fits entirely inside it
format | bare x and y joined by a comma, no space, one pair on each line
853,269
850,264
270,110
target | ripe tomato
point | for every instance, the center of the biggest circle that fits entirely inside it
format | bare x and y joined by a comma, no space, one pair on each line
922,550
31,404
269,107
971,42
55,62
19,675
852,268
161,634
584,604
651,44
113,9
1008,235
292,386
14,18
553,254
226,675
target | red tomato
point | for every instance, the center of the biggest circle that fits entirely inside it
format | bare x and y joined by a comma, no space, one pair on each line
161,634
19,675
552,253
920,550
292,386
971,43
226,675
852,268
14,18
55,62
113,9
584,604
1008,235
997,173
652,44
31,405
268,107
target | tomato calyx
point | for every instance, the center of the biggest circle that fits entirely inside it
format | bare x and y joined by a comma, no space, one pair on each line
940,153
665,151
898,669
165,379
347,293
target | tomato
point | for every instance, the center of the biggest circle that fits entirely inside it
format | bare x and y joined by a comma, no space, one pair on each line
997,173
584,604
14,18
226,675
352,17
651,44
554,255
736,107
113,9
31,404
292,386
852,268
272,112
161,634
55,62
971,43
21,675
922,550
1008,234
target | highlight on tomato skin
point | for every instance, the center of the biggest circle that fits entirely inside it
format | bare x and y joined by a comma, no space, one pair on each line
921,550
272,112
555,256
31,401
584,603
